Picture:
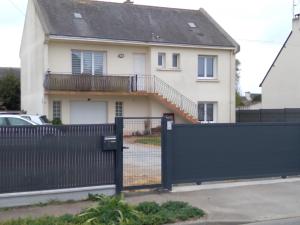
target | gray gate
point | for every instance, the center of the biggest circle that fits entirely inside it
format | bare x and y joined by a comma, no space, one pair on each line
198,153
139,153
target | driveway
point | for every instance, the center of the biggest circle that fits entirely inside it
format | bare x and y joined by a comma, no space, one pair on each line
142,164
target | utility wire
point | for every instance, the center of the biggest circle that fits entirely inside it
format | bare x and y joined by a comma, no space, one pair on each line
16,7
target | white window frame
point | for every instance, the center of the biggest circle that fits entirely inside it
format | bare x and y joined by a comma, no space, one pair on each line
163,55
215,105
54,110
119,109
178,60
93,61
205,77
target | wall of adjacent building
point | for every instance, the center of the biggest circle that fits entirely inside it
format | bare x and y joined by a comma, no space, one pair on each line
33,55
281,87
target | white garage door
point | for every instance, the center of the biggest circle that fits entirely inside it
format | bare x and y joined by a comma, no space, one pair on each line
88,112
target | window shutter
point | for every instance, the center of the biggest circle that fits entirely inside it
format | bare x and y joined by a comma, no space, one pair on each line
88,63
201,111
99,61
210,66
76,62
210,111
175,60
201,66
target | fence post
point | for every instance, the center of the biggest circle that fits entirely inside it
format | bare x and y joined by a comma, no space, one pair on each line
119,122
166,155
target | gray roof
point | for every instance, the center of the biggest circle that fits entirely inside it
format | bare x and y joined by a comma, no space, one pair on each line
131,22
7,70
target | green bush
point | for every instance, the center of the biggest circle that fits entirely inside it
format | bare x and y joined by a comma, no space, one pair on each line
111,211
115,211
148,207
56,121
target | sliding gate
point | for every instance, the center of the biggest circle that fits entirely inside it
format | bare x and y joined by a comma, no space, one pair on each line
140,153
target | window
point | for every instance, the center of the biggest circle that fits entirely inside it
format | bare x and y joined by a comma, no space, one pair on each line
56,110
119,109
176,61
88,62
206,67
162,60
3,121
18,122
206,112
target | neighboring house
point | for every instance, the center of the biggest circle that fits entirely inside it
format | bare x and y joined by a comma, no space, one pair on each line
4,71
281,85
250,101
90,61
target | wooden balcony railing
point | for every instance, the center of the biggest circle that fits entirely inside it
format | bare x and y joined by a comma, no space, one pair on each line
69,82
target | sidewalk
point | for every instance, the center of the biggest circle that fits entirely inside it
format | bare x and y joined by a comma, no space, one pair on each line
258,201
231,203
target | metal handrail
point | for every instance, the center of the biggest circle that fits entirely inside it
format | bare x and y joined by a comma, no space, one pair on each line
153,84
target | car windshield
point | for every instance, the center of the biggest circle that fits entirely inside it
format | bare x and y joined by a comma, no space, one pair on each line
44,119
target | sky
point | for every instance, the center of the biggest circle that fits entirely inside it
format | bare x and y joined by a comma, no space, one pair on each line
259,26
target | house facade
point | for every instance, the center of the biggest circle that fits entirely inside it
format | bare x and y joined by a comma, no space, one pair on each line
90,61
280,87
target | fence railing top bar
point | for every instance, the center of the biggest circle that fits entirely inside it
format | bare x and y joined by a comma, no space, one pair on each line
239,124
141,118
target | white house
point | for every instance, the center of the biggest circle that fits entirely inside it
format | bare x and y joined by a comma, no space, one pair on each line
281,85
90,61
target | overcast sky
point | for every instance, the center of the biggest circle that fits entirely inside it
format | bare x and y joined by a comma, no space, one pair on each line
259,26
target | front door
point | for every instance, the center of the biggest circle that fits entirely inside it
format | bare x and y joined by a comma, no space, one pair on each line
139,69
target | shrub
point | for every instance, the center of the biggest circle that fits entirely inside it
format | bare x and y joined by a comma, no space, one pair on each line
111,211
148,207
56,121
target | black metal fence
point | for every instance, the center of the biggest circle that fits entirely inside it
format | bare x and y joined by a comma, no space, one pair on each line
198,153
268,115
54,157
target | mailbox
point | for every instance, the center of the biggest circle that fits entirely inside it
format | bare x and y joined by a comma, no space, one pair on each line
109,143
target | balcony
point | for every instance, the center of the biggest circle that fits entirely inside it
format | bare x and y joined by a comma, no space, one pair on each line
69,82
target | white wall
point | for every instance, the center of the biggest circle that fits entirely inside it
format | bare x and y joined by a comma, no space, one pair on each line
60,56
281,87
33,56
220,91
133,106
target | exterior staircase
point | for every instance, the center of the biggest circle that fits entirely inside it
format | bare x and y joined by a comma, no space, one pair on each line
167,95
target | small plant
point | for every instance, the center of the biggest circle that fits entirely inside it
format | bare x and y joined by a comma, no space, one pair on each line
148,207
111,211
56,121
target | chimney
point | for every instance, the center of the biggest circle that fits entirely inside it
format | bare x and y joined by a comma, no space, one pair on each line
296,22
128,2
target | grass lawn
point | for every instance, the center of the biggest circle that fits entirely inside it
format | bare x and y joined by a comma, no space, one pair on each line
115,211
149,140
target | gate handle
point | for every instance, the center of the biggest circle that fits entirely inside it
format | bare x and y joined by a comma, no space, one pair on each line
124,147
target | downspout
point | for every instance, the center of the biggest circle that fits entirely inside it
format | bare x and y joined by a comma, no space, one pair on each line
230,87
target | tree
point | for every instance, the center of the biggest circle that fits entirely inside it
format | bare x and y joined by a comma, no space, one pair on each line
238,99
10,91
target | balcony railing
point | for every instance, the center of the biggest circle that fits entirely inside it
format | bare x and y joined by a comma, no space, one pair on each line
69,82
127,83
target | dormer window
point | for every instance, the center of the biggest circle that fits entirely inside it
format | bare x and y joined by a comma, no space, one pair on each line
192,25
77,15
